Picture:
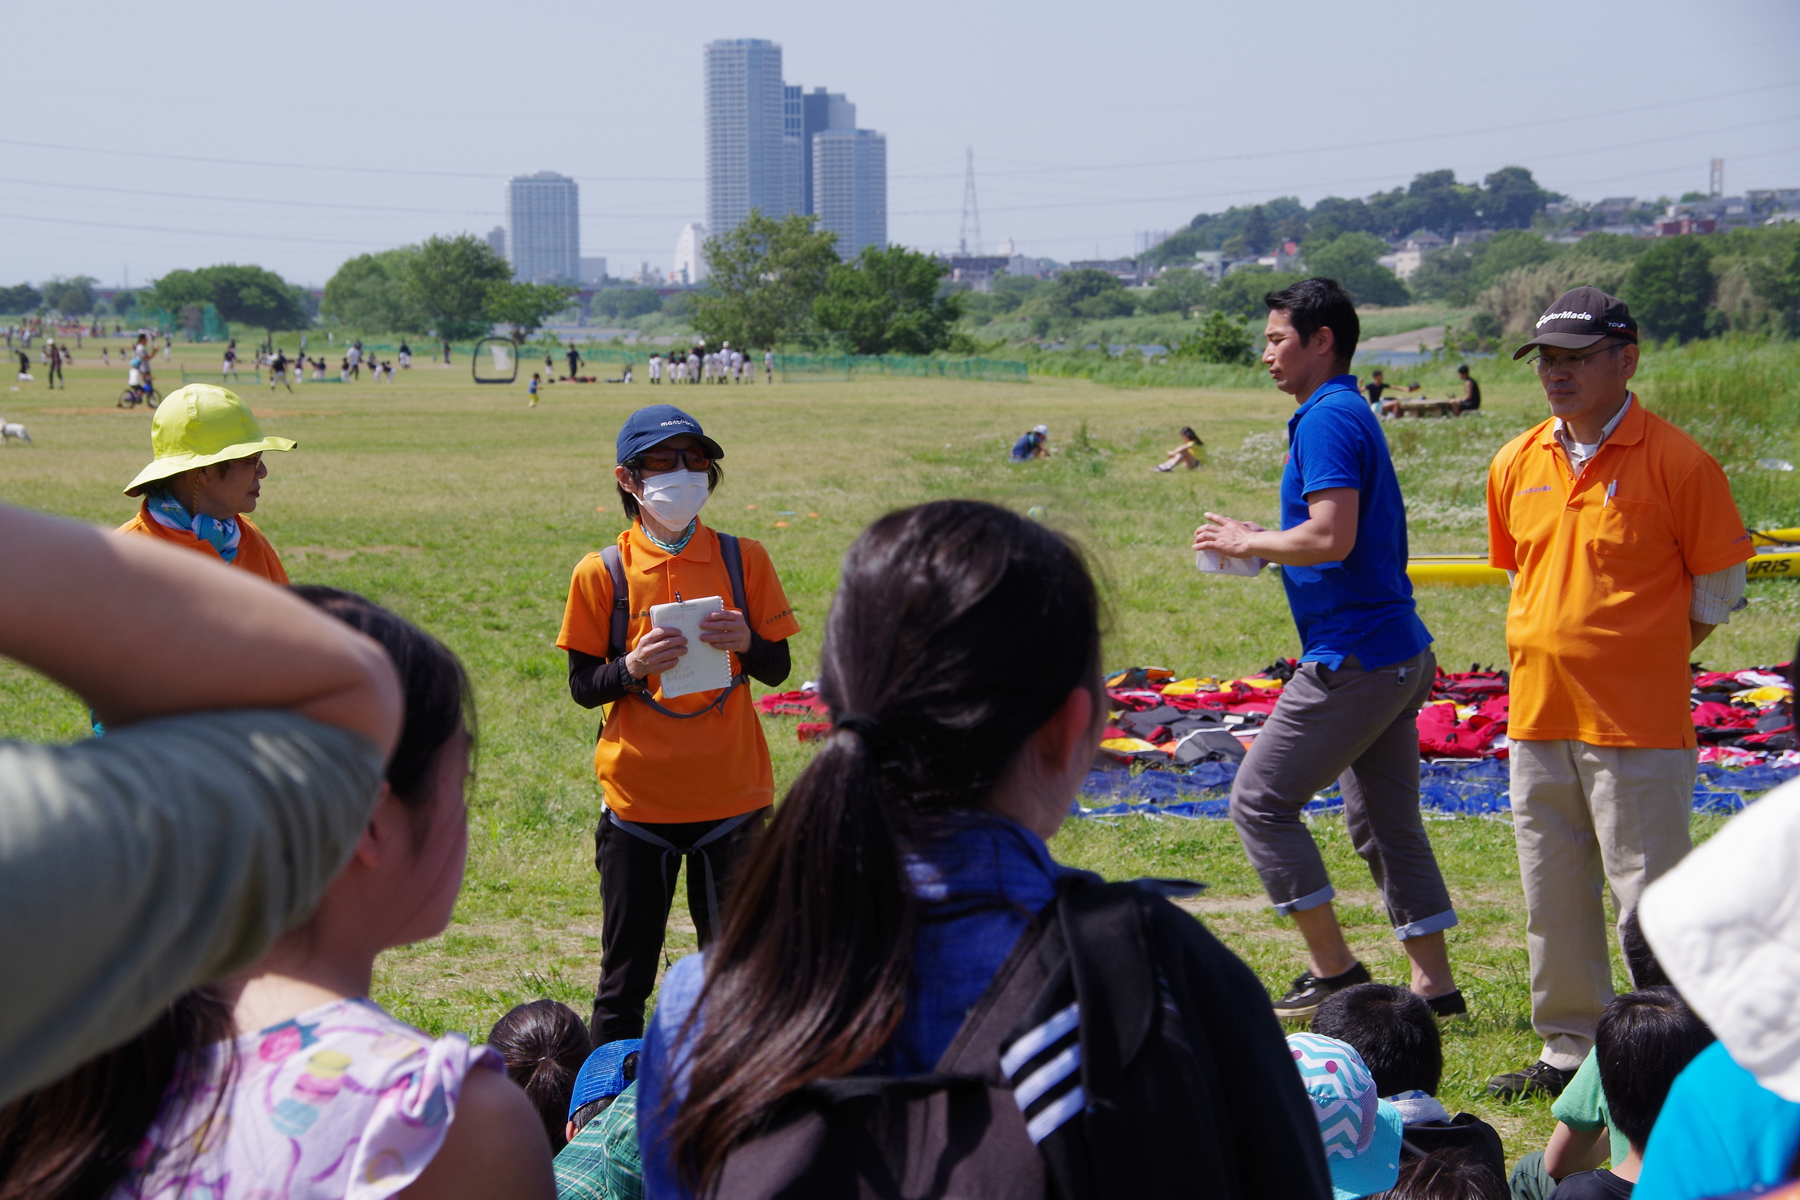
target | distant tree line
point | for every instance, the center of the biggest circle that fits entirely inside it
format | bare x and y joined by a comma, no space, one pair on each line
72,297
454,287
775,282
1507,199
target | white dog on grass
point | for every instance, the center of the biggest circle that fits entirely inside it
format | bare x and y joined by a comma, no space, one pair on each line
12,429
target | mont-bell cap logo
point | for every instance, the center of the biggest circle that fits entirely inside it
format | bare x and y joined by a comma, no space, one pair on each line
656,423
1579,318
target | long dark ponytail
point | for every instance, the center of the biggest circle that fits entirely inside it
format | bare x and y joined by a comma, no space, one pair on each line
958,630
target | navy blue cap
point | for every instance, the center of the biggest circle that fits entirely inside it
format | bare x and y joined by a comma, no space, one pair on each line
659,422
603,1074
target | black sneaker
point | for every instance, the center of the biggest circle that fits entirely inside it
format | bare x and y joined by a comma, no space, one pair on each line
1302,1000
1450,1004
1540,1078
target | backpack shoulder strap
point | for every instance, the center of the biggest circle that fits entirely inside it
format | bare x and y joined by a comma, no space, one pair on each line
733,555
621,605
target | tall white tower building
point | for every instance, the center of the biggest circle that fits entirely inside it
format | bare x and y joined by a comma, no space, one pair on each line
690,254
543,228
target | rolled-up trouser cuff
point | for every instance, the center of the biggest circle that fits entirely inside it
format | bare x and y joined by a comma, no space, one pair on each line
1310,900
1432,924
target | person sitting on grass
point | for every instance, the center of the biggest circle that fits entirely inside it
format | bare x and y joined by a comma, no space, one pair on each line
1470,400
1034,443
898,876
1363,1135
289,1080
544,1044
1642,1042
1397,1035
602,1161
173,852
1184,455
205,479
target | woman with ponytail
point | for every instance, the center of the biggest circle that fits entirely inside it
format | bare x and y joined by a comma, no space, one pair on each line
961,664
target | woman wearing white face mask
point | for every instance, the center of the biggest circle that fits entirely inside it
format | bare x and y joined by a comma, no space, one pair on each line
686,777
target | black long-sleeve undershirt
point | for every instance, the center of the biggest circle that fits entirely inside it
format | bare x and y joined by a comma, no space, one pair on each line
596,681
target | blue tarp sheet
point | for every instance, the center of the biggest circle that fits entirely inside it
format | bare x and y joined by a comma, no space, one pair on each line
1460,786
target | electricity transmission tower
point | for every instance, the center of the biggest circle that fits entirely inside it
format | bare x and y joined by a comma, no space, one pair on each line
971,217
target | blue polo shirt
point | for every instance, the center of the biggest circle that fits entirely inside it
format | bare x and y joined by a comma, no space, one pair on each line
1362,606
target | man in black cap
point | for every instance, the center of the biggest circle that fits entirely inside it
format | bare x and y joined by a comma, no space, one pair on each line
1626,549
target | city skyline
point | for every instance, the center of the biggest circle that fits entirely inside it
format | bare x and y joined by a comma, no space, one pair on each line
300,179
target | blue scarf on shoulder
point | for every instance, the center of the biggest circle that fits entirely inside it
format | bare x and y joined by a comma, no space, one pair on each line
222,536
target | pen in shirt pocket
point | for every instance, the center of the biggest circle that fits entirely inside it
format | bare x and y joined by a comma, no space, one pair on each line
1610,489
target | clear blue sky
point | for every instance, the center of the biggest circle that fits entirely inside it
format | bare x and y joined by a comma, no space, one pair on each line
1089,123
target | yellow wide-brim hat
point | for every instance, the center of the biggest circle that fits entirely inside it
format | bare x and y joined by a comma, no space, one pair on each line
197,426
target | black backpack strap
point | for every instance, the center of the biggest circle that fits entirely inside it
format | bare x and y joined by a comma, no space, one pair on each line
733,556
621,605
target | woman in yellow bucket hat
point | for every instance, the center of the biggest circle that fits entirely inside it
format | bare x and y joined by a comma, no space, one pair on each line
206,474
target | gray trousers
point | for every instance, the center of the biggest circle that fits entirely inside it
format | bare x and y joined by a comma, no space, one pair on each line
1360,728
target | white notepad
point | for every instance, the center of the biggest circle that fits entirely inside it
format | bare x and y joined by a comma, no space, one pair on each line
703,668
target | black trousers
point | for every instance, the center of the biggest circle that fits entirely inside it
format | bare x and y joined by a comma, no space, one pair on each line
637,888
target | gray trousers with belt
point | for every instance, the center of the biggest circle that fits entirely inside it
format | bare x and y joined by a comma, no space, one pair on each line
1360,728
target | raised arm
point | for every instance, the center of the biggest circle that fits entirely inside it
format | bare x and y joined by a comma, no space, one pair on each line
142,630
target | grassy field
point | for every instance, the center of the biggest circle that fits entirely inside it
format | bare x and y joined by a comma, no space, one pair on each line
461,508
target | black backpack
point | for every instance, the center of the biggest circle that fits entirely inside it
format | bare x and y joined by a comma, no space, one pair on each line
1121,1051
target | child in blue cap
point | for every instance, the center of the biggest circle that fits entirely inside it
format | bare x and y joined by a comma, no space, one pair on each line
601,1161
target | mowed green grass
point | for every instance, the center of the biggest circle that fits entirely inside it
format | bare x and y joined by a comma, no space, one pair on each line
463,509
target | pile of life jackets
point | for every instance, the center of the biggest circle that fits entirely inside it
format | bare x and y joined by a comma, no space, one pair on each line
1158,721
1740,717
1161,721
1172,746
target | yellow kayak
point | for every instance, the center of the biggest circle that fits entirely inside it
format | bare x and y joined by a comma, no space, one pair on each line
1775,537
1453,568
1773,561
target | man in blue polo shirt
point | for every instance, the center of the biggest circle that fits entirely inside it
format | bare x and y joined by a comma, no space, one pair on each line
1350,711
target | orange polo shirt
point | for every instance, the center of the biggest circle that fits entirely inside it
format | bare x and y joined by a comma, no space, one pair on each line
660,769
254,555
1597,628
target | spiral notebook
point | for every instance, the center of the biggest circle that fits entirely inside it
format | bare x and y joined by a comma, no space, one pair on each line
703,668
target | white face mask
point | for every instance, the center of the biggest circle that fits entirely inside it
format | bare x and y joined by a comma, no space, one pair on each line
676,497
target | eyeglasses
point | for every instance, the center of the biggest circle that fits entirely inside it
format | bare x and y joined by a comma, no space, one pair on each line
657,461
1572,362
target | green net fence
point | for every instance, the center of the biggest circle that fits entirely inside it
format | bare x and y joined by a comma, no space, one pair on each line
1004,370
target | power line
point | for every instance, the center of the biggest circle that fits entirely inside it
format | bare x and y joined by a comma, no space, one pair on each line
358,170
1315,184
211,233
1424,137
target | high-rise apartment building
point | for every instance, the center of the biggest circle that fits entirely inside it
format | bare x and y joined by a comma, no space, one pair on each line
763,146
690,255
850,188
746,166
820,110
496,238
543,228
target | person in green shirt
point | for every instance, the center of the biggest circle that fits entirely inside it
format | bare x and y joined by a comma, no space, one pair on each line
246,737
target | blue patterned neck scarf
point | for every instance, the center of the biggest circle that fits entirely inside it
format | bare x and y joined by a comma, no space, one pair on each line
222,536
676,546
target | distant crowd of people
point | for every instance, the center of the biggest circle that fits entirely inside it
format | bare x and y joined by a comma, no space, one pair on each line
700,365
